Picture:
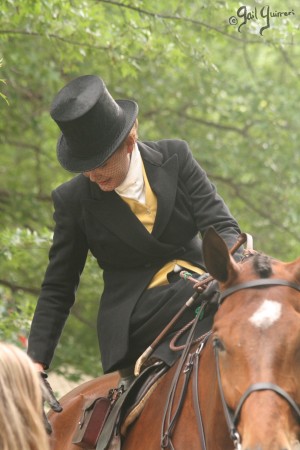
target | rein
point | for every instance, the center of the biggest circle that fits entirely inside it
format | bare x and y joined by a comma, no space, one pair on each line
232,418
170,415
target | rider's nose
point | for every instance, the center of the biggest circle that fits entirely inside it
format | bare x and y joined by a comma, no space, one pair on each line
90,174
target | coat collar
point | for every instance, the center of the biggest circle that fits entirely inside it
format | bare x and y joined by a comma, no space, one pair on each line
115,214
162,176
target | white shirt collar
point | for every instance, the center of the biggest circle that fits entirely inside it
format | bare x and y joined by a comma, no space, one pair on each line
133,186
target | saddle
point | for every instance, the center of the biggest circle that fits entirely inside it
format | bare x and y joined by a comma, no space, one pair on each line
105,419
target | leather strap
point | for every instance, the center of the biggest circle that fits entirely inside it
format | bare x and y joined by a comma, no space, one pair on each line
258,283
169,419
263,387
196,393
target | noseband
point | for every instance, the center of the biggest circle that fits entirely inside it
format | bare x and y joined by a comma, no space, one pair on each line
233,417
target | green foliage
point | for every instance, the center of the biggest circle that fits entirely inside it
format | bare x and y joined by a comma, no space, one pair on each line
2,81
232,95
19,249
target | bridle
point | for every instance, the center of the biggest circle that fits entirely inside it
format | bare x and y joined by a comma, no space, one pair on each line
191,365
232,418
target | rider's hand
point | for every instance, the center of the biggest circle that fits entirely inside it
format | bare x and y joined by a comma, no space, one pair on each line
39,367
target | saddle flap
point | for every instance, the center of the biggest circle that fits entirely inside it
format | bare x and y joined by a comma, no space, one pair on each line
91,422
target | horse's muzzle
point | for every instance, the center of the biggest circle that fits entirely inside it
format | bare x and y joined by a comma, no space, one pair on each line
293,446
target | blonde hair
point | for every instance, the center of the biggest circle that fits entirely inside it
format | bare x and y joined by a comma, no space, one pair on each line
21,423
132,135
134,130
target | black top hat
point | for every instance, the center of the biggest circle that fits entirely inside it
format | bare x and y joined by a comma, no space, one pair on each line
93,124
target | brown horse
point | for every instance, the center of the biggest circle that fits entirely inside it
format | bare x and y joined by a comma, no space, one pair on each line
241,389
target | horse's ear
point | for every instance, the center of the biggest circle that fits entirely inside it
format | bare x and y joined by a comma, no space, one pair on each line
297,262
218,261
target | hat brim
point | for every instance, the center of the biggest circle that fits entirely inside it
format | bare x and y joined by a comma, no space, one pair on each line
77,165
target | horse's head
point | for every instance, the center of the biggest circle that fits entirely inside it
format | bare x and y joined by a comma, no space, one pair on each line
256,336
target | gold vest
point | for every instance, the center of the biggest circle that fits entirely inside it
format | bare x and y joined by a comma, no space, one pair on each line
146,214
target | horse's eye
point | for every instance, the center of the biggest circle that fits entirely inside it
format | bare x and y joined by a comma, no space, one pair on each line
218,344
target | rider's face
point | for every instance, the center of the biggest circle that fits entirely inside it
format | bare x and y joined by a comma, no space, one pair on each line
113,172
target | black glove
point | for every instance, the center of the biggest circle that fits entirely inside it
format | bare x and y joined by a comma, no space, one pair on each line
49,397
211,292
210,296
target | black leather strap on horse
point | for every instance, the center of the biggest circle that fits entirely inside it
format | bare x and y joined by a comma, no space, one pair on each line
258,283
265,387
196,393
169,421
166,441
234,435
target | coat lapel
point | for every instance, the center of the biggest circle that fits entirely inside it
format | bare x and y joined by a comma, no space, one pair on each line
163,178
117,217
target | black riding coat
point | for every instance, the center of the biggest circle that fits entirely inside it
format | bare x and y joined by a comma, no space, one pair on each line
90,219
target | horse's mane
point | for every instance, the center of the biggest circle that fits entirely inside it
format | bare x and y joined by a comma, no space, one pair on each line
262,265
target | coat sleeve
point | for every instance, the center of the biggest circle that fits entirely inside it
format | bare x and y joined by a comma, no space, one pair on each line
67,258
209,209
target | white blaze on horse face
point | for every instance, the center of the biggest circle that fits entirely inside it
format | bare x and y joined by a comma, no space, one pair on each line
266,315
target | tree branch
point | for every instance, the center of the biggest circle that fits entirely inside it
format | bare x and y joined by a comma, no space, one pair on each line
242,131
5,196
76,313
53,36
186,19
261,212
289,62
16,287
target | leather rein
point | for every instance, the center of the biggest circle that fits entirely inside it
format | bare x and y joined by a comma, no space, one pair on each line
232,418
